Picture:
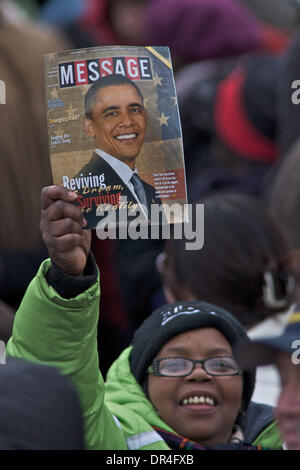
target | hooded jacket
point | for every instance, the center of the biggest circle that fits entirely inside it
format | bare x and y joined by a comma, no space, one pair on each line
117,415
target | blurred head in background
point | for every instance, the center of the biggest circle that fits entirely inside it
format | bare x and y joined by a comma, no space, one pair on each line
242,266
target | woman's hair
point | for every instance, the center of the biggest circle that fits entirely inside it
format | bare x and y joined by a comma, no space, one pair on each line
243,257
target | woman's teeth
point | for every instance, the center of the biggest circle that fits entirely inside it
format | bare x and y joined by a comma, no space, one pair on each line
199,400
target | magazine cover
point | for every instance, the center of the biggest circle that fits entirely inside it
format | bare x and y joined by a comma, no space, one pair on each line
114,132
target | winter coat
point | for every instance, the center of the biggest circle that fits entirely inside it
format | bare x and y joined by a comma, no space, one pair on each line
117,415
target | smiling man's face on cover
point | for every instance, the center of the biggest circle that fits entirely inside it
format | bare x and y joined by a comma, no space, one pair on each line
118,123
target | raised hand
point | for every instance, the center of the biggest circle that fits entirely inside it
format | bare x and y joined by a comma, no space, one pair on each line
62,226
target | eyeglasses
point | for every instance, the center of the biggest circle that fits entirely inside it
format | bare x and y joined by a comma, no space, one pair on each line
181,367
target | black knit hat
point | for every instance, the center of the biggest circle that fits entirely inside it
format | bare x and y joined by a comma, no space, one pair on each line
171,320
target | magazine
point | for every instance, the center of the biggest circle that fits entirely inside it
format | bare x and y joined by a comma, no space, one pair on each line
114,133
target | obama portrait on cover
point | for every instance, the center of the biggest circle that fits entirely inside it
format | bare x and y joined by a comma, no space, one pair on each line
116,120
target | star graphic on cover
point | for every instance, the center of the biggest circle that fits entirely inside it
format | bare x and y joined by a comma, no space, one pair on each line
51,57
71,110
163,119
157,80
54,94
174,100
146,102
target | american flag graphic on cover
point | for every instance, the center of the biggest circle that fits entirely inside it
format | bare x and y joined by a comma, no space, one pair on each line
114,132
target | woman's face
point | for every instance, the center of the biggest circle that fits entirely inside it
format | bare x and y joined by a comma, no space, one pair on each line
207,423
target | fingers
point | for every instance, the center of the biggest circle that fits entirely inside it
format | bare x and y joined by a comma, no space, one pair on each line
65,233
62,223
60,210
62,226
57,203
67,225
62,244
53,193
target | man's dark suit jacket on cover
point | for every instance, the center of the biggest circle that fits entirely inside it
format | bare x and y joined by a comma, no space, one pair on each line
115,189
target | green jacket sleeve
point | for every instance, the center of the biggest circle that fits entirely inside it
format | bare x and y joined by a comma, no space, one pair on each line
63,332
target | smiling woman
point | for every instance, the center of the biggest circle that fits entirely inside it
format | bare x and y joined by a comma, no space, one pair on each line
178,386
202,405
194,381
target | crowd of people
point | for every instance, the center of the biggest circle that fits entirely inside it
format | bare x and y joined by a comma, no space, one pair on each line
194,349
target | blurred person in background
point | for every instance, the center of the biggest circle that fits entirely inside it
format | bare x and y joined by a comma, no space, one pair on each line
229,121
24,161
282,191
233,28
242,267
281,14
207,29
39,409
288,110
240,117
283,351
90,23
283,199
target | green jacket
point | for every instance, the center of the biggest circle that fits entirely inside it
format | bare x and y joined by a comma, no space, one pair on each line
63,333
